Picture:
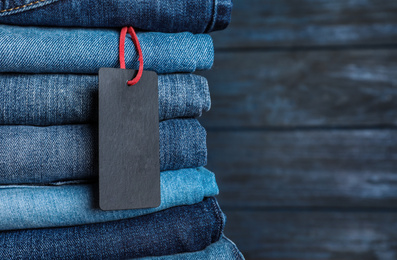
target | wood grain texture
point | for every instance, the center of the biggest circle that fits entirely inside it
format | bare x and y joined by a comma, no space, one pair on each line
318,168
275,23
303,88
302,131
321,235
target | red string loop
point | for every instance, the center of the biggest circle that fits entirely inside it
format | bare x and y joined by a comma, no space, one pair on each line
134,38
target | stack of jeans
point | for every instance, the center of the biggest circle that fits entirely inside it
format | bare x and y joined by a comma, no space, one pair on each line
51,52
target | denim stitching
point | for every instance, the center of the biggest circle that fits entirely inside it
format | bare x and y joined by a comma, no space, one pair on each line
220,219
22,6
236,253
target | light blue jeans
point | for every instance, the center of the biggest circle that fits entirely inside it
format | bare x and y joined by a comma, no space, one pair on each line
24,207
224,249
57,99
85,51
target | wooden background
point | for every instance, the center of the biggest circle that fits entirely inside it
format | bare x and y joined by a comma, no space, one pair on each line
302,132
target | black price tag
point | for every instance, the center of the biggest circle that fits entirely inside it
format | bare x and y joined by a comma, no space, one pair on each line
129,165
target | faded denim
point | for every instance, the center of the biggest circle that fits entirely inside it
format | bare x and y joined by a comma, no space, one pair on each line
23,207
224,249
53,99
85,51
30,154
197,16
176,230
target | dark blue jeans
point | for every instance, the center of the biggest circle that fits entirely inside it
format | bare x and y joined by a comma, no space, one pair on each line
53,99
30,154
196,16
175,230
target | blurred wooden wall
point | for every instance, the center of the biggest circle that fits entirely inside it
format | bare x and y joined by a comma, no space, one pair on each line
302,132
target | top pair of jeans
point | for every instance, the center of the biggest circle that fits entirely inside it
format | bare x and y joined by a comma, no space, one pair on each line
196,16
85,51
175,230
224,249
53,99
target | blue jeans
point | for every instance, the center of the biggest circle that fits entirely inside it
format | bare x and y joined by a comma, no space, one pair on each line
23,207
224,249
52,99
85,51
176,230
197,16
30,154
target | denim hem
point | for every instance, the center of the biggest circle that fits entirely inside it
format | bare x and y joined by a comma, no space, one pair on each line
207,95
21,6
221,221
221,15
236,252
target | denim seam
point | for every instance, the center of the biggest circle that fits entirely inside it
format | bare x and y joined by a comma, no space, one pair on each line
212,20
22,6
238,255
220,221
207,99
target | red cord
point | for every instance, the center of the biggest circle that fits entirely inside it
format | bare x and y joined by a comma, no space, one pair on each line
134,38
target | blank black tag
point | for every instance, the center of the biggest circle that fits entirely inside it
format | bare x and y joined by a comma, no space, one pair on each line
129,165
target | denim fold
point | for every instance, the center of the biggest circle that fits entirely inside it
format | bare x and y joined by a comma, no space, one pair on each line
199,16
176,230
224,249
40,155
56,99
86,50
30,206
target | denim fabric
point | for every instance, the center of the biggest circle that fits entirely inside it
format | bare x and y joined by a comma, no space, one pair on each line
23,207
197,16
30,154
84,51
175,230
224,249
51,99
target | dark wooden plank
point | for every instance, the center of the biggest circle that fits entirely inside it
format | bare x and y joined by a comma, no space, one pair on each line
264,23
314,235
303,88
334,168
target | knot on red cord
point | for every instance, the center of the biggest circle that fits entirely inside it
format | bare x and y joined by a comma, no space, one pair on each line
134,38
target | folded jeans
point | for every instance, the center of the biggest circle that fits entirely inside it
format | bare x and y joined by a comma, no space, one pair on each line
24,207
175,230
53,99
40,155
197,16
85,51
